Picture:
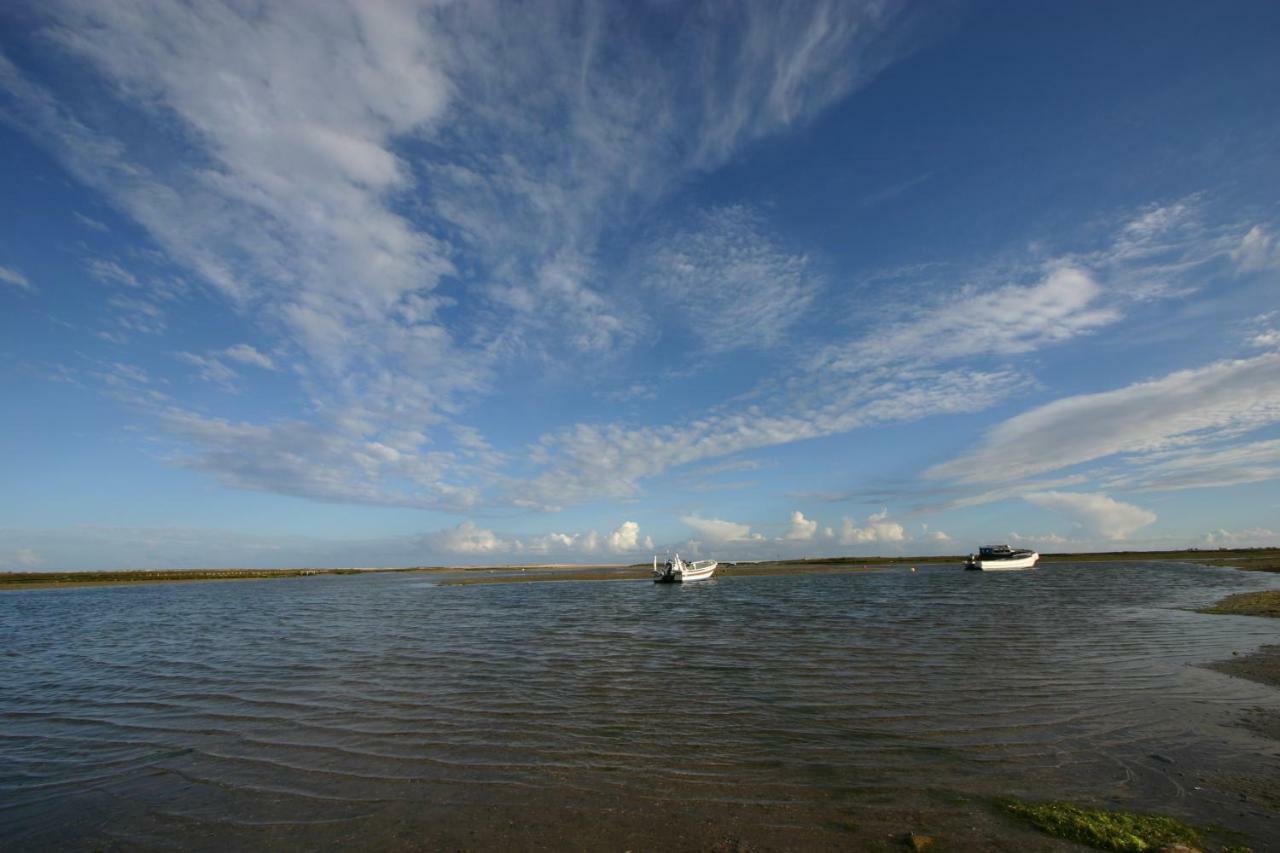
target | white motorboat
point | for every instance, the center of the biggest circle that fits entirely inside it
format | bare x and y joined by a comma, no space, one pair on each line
677,570
1001,558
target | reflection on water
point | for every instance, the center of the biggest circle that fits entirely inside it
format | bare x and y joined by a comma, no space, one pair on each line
256,713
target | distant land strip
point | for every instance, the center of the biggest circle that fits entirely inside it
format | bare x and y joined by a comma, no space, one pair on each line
53,580
1248,559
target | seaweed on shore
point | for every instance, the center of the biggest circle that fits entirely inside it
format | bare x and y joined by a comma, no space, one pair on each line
1126,832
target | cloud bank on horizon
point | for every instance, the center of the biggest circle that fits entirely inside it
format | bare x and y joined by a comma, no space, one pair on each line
449,282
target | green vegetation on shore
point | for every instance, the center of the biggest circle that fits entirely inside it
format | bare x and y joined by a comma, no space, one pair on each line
1249,559
1105,830
1248,604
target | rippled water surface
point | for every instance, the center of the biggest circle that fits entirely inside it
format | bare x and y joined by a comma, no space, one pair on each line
386,711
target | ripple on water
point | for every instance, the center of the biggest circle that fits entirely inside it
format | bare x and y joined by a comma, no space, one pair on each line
305,702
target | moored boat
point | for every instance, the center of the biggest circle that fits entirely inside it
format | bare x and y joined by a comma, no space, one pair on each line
677,570
1001,558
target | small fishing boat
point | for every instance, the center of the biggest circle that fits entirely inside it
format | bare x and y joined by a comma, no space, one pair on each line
1001,558
677,570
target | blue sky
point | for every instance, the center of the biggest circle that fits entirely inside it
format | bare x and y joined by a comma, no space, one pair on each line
335,283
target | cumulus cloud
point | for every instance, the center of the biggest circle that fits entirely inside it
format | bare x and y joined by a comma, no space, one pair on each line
801,528
467,538
8,275
1251,537
879,528
625,538
1096,513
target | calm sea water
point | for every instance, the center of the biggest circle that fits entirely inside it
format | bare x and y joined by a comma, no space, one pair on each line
389,712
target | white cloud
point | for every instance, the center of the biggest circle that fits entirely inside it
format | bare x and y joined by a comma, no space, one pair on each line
1268,339
1096,513
245,354
625,538
17,279
210,369
1194,468
1004,321
1185,408
1252,537
522,134
879,528
724,283
718,530
111,272
1038,541
466,538
24,559
213,366
1258,250
331,462
890,375
801,528
90,223
609,460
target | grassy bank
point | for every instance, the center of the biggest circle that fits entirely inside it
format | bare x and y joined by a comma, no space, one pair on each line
1265,603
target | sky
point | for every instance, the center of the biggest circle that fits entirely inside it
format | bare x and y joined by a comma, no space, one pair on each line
389,283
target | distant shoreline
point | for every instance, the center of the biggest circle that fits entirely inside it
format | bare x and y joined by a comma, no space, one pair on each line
1248,559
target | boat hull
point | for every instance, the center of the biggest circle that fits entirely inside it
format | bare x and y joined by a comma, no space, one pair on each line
1003,565
689,574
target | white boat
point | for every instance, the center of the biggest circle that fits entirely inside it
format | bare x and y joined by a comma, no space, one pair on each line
1001,558
677,570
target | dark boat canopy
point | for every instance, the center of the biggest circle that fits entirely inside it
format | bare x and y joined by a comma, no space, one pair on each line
1000,552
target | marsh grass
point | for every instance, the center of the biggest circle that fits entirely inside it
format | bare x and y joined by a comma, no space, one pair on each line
1106,830
1248,604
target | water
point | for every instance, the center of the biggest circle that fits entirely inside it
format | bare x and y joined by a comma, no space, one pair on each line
388,712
